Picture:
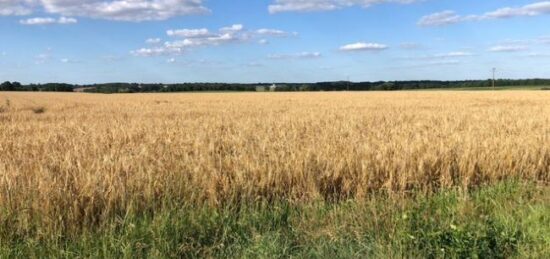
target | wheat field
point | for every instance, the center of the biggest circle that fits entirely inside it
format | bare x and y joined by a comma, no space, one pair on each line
70,161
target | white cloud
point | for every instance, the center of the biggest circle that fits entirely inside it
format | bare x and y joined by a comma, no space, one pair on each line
301,55
16,7
188,33
38,21
153,41
192,38
450,17
275,33
233,28
440,18
171,60
158,51
363,46
48,20
441,56
280,6
66,20
119,10
508,48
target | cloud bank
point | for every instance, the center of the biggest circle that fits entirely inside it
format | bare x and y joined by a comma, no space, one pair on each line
280,6
451,17
185,39
118,10
48,20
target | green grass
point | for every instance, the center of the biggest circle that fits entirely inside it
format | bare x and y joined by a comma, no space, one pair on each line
503,221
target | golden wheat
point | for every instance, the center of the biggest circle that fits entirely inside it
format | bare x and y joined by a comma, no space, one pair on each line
84,158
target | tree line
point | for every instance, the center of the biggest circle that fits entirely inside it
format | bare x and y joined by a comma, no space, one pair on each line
320,86
50,87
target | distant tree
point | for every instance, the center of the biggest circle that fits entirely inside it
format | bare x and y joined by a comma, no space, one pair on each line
7,86
17,86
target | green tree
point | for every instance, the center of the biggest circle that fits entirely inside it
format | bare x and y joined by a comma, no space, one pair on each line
7,86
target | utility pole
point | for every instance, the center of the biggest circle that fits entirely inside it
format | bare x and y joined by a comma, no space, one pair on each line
494,72
348,83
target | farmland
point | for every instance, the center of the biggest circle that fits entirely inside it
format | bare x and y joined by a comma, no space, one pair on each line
438,173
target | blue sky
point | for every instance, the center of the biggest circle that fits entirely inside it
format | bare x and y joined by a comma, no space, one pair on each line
94,41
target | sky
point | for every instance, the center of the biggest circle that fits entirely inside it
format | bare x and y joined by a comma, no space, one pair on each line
249,41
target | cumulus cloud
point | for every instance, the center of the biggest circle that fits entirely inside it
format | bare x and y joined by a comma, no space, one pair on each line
16,7
183,39
119,10
233,28
301,55
451,17
279,6
188,33
48,20
363,46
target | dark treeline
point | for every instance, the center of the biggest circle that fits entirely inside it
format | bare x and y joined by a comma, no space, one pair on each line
50,87
321,86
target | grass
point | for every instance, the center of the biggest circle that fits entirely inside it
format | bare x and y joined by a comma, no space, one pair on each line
404,174
502,221
38,110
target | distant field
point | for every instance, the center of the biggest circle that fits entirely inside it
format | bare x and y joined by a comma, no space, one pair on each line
382,174
499,88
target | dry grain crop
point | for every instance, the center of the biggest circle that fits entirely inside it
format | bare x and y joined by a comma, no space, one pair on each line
85,158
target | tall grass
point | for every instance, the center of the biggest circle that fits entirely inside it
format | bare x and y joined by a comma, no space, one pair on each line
502,221
94,159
